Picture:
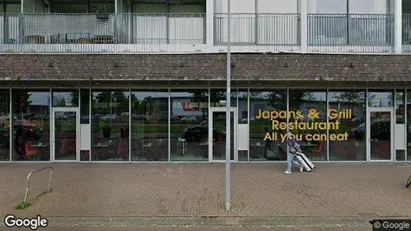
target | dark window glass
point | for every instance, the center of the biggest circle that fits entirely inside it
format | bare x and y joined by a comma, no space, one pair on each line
189,125
31,124
380,98
149,129
408,125
265,140
110,125
85,106
312,105
65,98
4,125
348,108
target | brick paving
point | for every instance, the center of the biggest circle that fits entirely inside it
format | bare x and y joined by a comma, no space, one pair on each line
192,229
131,190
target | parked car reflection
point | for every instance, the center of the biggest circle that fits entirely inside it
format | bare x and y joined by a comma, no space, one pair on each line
200,133
380,129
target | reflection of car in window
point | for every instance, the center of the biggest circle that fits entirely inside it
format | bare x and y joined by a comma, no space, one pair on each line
200,133
380,129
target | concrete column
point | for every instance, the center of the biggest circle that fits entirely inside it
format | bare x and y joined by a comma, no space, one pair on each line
209,30
398,26
302,10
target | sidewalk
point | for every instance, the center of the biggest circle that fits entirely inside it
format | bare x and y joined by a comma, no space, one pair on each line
332,191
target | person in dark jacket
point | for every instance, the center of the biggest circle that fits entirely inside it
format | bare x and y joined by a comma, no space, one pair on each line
293,148
267,143
19,143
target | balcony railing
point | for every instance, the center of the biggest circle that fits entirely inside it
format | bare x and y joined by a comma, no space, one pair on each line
406,33
357,32
61,31
258,29
335,33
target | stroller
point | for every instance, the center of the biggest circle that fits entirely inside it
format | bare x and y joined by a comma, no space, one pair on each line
301,158
304,161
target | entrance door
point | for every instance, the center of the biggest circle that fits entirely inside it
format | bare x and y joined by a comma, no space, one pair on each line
65,135
217,134
380,134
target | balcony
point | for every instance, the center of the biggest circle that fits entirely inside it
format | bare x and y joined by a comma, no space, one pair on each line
277,30
56,33
406,33
354,33
186,33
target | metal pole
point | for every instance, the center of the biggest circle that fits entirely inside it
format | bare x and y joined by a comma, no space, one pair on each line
228,116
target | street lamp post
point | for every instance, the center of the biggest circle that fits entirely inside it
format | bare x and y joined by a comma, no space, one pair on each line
228,115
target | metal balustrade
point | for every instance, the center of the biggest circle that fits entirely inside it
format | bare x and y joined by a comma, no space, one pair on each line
169,32
258,29
353,32
96,32
406,33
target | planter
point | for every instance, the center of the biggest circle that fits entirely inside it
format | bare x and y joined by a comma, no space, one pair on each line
102,16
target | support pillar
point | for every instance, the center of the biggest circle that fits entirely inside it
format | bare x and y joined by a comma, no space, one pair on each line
303,27
209,24
398,26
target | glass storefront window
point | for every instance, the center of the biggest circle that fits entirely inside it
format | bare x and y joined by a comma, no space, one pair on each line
400,119
242,102
110,125
31,125
348,108
189,125
68,8
266,108
85,106
380,98
149,125
218,97
408,125
309,130
4,125
85,119
65,98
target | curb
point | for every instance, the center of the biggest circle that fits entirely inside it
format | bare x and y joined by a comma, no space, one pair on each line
207,222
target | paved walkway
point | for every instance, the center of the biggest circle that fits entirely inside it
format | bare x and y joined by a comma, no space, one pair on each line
355,191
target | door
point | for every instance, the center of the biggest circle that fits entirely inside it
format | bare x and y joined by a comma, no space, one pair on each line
217,134
380,134
65,135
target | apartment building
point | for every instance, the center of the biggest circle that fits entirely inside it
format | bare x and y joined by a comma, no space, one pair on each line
144,80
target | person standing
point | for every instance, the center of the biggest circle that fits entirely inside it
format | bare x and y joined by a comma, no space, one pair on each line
19,144
268,143
293,148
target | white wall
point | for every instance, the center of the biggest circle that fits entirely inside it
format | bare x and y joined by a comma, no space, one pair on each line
264,29
277,6
406,7
356,6
185,25
33,6
13,33
237,6
121,6
369,6
327,6
123,28
314,6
